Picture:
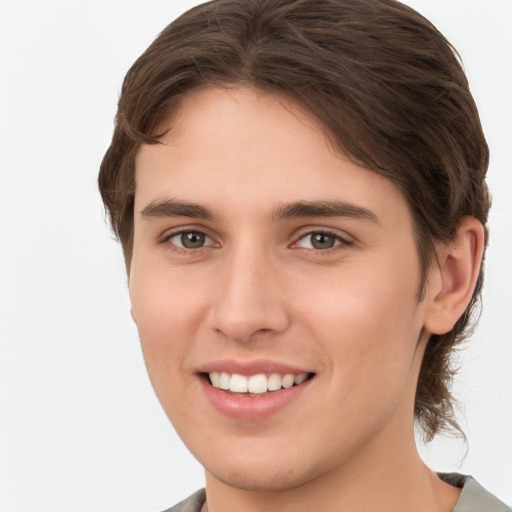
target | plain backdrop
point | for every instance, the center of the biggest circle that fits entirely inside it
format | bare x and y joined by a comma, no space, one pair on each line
80,428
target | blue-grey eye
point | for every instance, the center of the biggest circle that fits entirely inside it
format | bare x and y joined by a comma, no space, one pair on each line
189,239
192,239
319,241
322,241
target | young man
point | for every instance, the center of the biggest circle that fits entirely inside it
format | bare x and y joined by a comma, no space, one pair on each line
299,190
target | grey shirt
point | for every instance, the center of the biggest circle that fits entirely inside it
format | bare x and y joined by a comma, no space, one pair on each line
474,498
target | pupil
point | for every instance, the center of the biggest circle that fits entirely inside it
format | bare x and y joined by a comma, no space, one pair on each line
192,239
322,241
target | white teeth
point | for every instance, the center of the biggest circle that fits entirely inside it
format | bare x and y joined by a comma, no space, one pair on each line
215,378
288,381
224,380
238,383
299,379
274,382
255,384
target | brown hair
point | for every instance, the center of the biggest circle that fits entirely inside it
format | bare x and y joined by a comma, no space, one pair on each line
388,87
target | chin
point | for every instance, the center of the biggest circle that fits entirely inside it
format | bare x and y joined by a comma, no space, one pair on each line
257,479
268,469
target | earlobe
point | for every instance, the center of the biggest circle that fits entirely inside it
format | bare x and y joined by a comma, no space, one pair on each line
459,263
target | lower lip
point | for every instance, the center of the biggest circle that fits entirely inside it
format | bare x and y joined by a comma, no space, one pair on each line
252,408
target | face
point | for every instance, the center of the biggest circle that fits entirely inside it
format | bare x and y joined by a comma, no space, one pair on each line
273,284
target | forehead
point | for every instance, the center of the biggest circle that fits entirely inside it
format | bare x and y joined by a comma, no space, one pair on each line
249,148
240,124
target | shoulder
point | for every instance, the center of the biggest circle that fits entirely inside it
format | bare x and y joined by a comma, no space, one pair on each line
474,498
193,503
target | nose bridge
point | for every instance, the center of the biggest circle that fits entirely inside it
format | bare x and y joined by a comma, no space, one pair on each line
249,299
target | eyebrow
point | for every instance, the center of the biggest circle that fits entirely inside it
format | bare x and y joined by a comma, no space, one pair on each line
174,208
295,210
307,209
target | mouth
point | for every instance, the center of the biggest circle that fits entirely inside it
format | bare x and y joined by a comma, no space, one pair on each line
256,385
254,390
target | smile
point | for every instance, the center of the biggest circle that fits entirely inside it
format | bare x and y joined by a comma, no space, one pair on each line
254,385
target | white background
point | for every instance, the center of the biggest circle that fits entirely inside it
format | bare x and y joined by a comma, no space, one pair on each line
80,428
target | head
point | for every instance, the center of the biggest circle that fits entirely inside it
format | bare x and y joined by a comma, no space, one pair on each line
385,86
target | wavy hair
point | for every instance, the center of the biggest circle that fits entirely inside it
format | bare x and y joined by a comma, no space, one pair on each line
384,82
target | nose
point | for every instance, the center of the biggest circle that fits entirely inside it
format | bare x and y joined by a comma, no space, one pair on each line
249,301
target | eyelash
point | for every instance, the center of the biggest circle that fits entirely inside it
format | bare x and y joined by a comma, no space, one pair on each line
185,250
339,241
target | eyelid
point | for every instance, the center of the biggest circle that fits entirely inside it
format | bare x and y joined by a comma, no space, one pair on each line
341,239
165,238
179,233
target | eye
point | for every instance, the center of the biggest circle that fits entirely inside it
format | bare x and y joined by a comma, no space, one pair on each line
190,239
320,241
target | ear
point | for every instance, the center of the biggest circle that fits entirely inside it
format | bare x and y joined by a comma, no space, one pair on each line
455,276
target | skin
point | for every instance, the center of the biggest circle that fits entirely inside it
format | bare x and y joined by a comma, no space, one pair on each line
258,289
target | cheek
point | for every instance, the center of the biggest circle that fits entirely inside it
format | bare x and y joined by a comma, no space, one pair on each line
167,313
167,336
369,324
164,299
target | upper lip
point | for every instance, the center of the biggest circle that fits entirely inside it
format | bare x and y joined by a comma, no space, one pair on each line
251,367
